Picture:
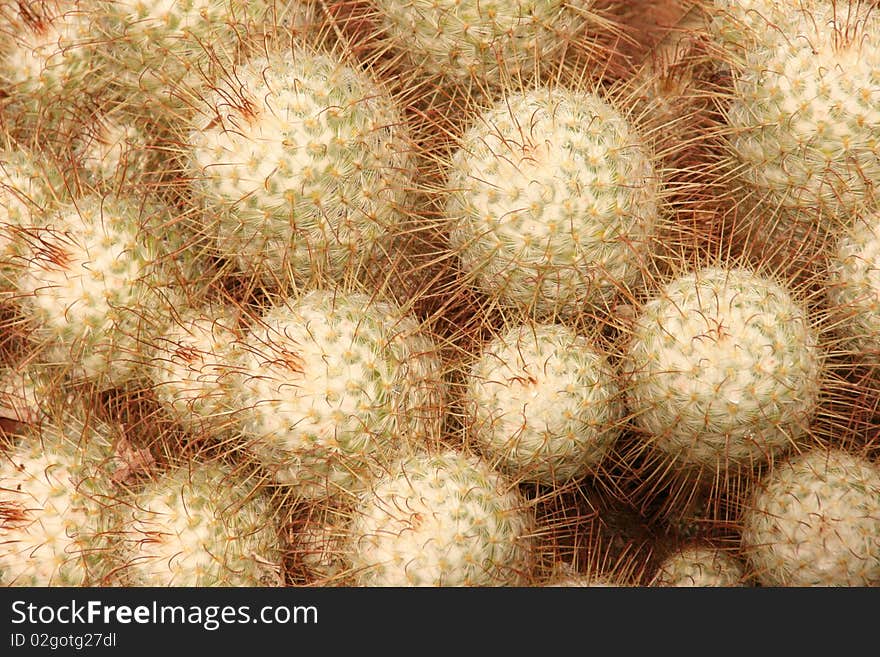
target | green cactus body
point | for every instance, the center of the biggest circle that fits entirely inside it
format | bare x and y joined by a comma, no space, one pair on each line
476,43
57,501
700,565
444,519
543,403
854,289
48,59
814,520
200,525
724,368
191,363
553,202
91,283
305,170
803,120
332,384
28,191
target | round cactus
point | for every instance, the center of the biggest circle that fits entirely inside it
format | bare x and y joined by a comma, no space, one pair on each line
853,286
57,501
305,160
700,565
331,384
802,118
91,282
200,525
814,520
48,61
553,201
479,44
543,403
191,363
724,368
444,519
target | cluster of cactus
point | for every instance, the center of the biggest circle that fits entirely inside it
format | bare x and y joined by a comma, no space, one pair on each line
397,293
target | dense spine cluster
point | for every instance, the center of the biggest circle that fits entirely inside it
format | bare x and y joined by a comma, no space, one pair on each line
724,368
553,202
543,403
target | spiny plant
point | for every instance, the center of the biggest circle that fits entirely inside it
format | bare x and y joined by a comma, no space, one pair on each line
331,385
93,277
799,124
199,523
301,162
440,518
552,201
542,403
700,564
814,520
58,499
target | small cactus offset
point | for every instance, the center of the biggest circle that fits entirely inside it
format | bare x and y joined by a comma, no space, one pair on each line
543,403
814,520
700,565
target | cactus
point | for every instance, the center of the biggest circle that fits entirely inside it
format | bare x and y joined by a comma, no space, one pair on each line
801,119
200,524
92,281
331,385
700,565
543,403
853,289
58,504
553,202
305,161
440,519
814,520
725,368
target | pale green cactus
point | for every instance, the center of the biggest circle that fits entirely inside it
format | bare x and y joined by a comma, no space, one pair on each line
57,504
553,202
724,367
441,519
191,363
200,524
802,118
853,286
93,279
814,520
543,403
332,385
305,161
478,44
700,565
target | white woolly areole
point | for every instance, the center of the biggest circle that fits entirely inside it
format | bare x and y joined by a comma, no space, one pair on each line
854,288
306,161
543,403
724,368
553,201
804,115
469,40
83,286
52,513
190,365
201,526
332,382
702,566
814,520
446,519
